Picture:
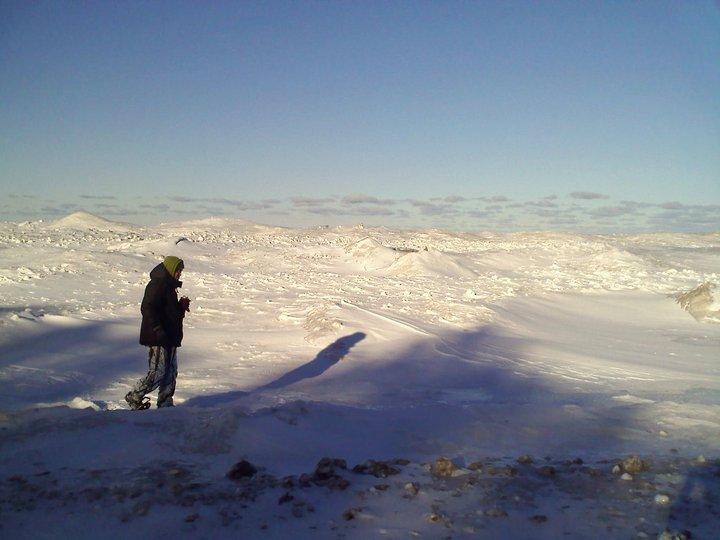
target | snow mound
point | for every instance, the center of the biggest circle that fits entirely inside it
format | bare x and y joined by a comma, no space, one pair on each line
85,220
701,303
430,263
371,254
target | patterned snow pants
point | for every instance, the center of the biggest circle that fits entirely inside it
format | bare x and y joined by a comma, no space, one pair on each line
162,372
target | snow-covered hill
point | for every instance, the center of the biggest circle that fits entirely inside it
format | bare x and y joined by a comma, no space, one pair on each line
534,362
83,221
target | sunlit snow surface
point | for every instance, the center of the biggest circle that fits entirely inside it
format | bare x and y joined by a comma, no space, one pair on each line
355,343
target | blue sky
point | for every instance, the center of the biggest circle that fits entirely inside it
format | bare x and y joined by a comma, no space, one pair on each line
466,115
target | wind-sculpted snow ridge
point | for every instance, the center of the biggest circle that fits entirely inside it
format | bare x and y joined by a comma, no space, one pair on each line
430,263
371,254
85,220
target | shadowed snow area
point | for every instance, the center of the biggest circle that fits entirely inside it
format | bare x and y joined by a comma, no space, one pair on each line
358,344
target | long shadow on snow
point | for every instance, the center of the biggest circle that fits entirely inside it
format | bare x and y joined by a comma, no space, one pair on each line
464,394
323,361
696,503
50,362
37,309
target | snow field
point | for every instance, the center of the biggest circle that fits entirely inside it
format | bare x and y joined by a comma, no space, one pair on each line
359,344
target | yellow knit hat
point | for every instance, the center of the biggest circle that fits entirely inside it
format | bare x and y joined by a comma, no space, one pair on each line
172,264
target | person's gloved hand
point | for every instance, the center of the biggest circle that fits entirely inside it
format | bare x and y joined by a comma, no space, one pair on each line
185,303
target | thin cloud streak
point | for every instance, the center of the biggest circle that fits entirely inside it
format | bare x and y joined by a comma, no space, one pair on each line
99,197
588,195
367,199
309,201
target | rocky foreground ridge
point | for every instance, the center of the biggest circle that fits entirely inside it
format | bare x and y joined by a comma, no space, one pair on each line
523,497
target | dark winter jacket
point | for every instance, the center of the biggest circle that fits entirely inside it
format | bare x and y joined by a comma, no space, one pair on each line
162,316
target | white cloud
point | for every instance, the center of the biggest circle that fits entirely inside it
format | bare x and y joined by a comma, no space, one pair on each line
99,197
366,199
309,201
587,195
611,211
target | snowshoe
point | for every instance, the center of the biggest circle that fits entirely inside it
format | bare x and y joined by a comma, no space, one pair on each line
137,404
144,404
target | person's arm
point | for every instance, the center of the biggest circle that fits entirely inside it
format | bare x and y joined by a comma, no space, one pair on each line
151,308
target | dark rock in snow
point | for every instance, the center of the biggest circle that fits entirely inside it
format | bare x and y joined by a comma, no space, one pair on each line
326,474
326,468
304,480
547,471
288,482
379,469
285,498
350,513
443,467
337,482
507,470
539,518
634,465
525,460
192,517
668,534
411,489
242,469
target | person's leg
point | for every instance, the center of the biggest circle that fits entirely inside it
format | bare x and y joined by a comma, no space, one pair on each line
157,366
167,384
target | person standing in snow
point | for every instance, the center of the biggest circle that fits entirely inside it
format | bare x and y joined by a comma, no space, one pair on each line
161,330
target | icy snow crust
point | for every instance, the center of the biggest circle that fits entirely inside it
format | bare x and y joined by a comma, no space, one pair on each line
359,344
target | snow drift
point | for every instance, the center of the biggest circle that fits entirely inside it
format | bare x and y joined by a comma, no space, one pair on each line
430,263
86,221
369,254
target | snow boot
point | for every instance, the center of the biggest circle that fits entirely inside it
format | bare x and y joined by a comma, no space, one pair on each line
137,404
